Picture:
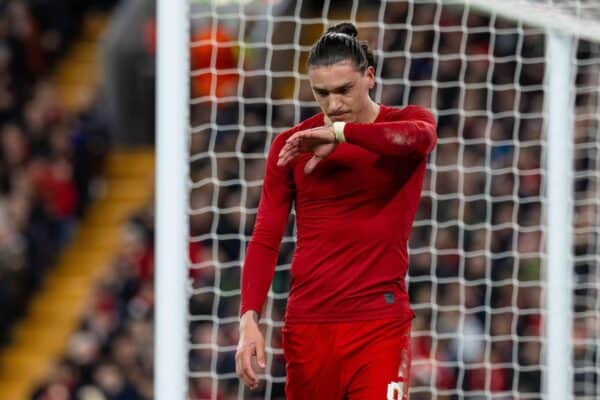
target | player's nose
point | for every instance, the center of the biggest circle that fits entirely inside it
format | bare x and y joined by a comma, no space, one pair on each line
335,105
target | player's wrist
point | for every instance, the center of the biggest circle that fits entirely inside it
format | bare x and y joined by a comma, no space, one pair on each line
338,131
249,316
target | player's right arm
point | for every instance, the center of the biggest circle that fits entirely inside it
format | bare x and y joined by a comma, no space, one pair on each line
261,258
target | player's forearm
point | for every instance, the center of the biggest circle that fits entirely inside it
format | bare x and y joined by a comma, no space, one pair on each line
257,275
263,249
398,138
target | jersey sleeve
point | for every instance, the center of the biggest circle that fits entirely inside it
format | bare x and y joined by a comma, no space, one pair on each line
263,250
410,131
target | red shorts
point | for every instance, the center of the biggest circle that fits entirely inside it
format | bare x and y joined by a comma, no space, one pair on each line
367,360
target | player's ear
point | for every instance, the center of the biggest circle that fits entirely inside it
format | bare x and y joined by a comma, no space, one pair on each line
370,75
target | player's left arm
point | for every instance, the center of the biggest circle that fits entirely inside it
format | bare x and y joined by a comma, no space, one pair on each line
410,131
407,132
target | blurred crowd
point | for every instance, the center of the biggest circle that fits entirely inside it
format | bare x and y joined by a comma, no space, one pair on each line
476,265
110,355
48,156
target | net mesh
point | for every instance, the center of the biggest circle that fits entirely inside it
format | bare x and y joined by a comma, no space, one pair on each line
586,240
477,256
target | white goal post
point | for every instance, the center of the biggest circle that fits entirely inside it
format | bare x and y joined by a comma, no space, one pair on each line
171,270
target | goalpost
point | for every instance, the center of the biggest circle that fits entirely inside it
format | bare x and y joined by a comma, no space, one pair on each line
504,271
170,319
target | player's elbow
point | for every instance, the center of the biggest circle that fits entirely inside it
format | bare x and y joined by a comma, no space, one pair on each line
428,139
431,137
428,130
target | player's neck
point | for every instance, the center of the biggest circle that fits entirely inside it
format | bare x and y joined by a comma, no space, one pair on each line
371,112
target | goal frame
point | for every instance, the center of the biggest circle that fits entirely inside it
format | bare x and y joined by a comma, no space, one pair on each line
172,131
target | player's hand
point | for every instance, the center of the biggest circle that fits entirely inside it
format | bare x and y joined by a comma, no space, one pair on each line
251,344
319,141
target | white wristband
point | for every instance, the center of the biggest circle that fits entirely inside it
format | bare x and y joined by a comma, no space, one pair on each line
338,131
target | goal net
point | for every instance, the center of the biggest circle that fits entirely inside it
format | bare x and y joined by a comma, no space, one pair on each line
478,253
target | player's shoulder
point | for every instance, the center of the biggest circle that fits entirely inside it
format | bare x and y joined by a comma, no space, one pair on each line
311,122
407,113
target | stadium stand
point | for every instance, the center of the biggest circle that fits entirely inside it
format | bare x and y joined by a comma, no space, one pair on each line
49,155
53,148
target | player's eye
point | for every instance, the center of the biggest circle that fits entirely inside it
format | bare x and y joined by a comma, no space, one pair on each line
344,90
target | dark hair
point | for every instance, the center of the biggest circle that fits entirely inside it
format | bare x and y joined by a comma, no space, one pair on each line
341,43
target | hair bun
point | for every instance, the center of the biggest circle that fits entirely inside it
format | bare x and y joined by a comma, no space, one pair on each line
345,28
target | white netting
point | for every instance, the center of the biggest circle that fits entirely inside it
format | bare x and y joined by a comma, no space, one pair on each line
586,240
477,247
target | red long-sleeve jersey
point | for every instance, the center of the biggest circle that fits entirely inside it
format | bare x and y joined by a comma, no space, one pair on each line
354,214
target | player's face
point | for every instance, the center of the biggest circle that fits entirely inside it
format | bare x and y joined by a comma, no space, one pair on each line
341,90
